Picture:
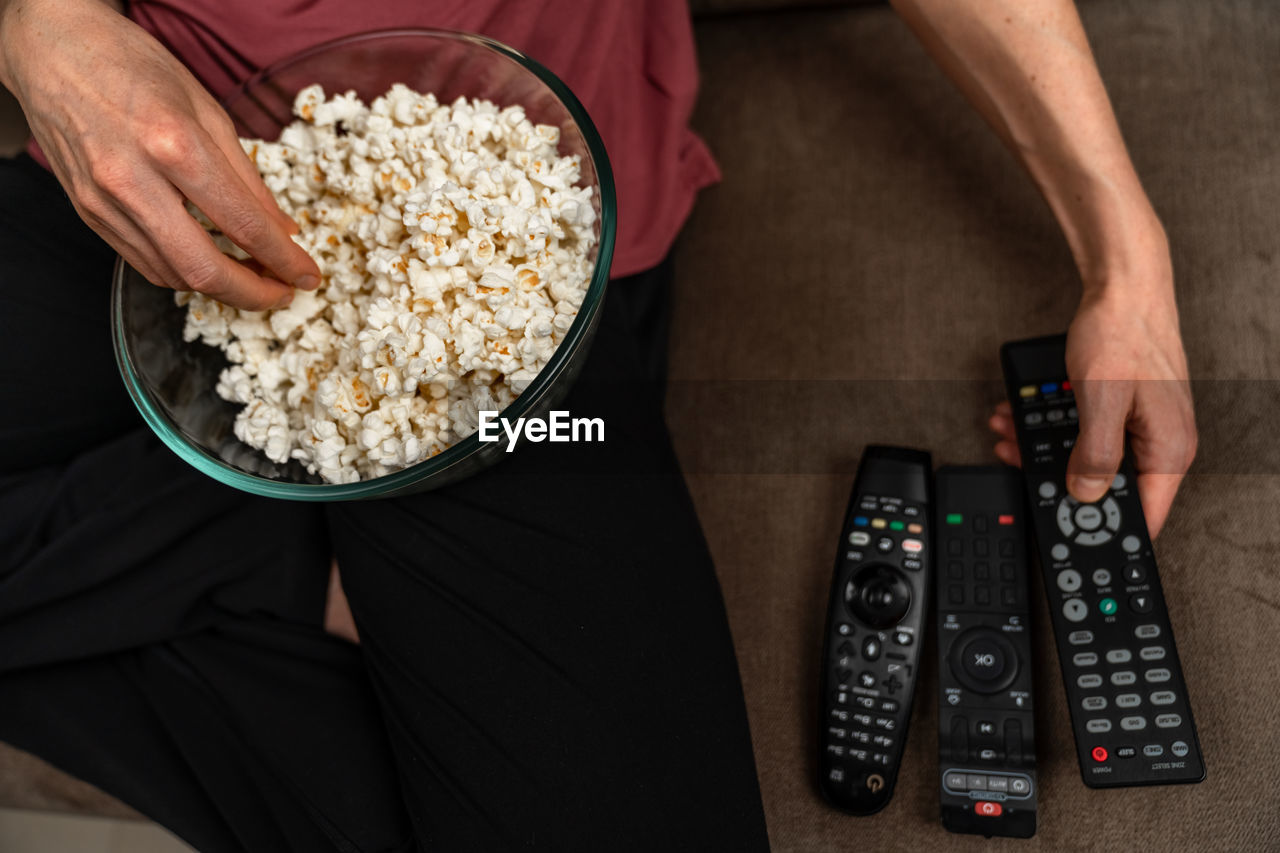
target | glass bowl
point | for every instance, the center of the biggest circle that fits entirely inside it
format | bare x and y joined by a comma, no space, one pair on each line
172,382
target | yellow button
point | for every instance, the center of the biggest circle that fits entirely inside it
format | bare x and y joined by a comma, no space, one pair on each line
878,523
1027,390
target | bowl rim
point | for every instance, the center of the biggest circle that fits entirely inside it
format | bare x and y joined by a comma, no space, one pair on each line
153,412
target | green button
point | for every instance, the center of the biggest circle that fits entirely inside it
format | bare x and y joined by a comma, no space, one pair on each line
895,525
1107,606
955,518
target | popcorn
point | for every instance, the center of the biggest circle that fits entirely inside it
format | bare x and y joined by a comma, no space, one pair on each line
455,250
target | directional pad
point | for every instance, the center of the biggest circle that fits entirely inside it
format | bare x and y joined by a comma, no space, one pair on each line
1088,524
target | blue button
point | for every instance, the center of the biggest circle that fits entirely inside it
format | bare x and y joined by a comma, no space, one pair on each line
860,521
1048,387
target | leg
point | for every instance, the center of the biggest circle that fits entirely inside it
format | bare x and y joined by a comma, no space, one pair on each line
549,646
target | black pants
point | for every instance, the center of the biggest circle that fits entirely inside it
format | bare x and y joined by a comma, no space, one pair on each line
545,661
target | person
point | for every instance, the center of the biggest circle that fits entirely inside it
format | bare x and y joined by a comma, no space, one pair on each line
543,659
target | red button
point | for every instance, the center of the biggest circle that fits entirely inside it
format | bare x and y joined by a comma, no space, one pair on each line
1099,753
983,808
1066,386
1005,519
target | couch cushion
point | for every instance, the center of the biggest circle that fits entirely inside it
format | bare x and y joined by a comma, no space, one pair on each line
850,282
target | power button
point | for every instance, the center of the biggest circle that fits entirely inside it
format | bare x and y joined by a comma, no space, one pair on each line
1099,753
983,808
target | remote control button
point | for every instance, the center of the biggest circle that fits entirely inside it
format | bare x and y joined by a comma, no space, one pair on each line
1128,700
1163,697
1168,721
1004,520
1151,653
1141,603
860,521
862,719
986,808
1119,656
1133,724
1027,391
979,524
955,548
912,546
858,537
879,524
1099,753
1135,573
1124,678
844,649
955,570
1089,680
844,629
1099,726
956,782
858,754
1098,537
1157,676
1119,483
884,544
1088,517
988,755
897,526
915,528
1048,489
889,706
871,648
1008,572
1094,703
1075,610
1146,632
1008,596
1033,419
1019,786
836,732
982,596
867,679
985,728
975,782
867,702
911,511
882,741
1111,510
860,737
854,557
1006,548
1080,638
879,595
1055,415
1180,748
1073,413
892,684
903,638
1069,580
1131,544
1153,750
836,774
835,749
886,724
998,784
1101,577
1060,552
1085,659
1064,516
840,715
1126,751
842,698
912,564
889,507
955,594
980,549
982,571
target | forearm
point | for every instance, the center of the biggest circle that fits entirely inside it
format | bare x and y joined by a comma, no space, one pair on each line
1027,67
11,13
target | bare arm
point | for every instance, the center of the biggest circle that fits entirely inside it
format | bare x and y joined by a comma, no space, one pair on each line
131,134
1027,67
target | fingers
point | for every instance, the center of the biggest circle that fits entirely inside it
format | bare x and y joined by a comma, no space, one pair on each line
1001,423
1157,492
212,182
223,133
1104,410
199,265
1163,439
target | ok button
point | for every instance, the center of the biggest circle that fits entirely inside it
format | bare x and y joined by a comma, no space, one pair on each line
984,660
1088,517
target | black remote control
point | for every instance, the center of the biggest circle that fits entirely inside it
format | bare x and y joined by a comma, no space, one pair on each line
875,625
1129,703
986,737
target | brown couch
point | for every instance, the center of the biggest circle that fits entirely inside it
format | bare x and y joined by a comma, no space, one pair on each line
850,282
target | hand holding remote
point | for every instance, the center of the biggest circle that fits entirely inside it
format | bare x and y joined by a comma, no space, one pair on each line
1125,361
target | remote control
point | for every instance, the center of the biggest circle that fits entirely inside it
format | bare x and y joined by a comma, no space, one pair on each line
986,737
1128,701
875,625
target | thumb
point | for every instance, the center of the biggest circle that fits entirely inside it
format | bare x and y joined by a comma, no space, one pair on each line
1104,409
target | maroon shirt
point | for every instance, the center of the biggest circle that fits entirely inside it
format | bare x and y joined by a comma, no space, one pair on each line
630,62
